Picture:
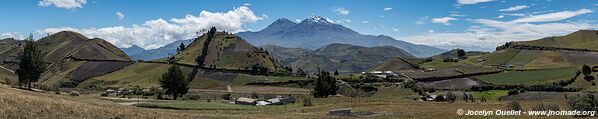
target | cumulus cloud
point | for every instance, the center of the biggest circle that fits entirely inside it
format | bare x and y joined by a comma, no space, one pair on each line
387,9
156,33
365,22
120,15
555,16
15,35
514,8
395,29
66,4
443,20
471,2
342,11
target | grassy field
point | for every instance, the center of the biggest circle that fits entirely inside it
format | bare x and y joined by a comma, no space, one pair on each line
388,103
544,76
138,74
195,105
584,85
439,64
490,95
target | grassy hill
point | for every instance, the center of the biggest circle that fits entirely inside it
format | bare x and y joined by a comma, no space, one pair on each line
536,59
349,58
226,51
286,56
71,57
582,39
395,64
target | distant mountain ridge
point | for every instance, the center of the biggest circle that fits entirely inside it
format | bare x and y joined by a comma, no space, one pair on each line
161,52
315,32
342,57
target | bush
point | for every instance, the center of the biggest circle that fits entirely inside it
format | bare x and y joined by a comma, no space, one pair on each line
193,97
515,91
585,102
226,96
307,102
440,98
74,94
514,105
105,94
546,107
451,97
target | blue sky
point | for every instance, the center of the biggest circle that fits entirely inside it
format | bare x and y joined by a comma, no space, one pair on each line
447,24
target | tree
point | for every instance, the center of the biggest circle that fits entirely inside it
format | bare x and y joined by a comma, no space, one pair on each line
451,97
586,70
460,53
31,64
335,72
325,85
182,47
174,82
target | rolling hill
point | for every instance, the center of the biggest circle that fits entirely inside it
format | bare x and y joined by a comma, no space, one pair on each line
551,52
223,52
315,32
72,58
286,56
348,58
582,39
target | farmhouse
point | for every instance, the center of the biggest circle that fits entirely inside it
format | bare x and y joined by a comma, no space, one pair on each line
382,74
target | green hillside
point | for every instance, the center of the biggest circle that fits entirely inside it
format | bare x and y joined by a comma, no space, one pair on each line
349,58
226,51
71,58
582,39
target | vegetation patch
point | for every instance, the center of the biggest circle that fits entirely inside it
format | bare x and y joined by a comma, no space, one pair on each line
544,76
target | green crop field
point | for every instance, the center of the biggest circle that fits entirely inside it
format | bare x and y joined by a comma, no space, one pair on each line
491,95
529,77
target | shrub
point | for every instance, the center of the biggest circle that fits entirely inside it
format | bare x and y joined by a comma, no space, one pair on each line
226,96
585,102
307,102
74,94
514,105
451,97
546,107
440,98
193,97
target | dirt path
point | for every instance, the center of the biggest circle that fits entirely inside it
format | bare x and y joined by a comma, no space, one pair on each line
1,67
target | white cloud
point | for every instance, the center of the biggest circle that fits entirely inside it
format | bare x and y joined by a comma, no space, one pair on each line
156,33
387,9
422,20
343,21
342,11
471,2
246,4
15,35
518,15
298,20
514,8
491,33
431,31
66,4
365,22
555,16
443,20
395,29
500,16
120,15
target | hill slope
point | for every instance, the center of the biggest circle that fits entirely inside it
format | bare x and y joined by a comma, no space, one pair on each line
582,39
316,32
287,55
348,58
226,51
72,58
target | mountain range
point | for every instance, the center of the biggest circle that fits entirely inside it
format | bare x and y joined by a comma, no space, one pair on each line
138,53
316,32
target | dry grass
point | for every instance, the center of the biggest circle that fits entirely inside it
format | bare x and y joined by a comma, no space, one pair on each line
17,103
